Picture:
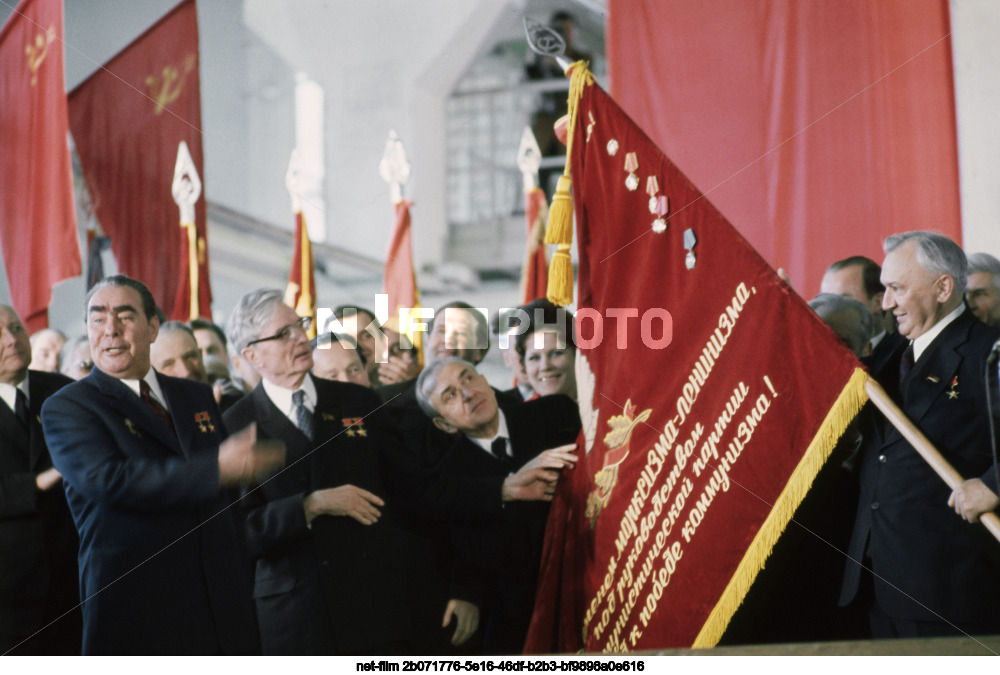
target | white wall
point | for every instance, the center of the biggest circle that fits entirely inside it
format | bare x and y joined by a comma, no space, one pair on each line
975,26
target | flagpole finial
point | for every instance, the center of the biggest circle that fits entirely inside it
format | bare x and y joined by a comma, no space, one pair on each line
529,158
294,180
546,42
186,186
394,168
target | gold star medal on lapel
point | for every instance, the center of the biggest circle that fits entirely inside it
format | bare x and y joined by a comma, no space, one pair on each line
953,391
204,422
354,426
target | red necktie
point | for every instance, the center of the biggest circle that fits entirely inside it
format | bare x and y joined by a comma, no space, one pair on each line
154,405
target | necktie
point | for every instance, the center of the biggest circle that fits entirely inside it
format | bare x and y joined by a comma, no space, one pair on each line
499,449
154,405
21,408
303,417
905,364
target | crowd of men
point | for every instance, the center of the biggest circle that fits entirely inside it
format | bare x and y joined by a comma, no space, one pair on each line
181,489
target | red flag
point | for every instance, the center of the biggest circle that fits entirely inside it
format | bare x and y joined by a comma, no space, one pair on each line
400,281
37,215
704,419
815,143
300,294
535,270
128,120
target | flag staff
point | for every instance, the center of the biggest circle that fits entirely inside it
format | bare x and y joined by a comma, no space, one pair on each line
924,447
534,277
300,293
186,189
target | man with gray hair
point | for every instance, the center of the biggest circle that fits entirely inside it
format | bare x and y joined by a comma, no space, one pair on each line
334,568
931,573
983,290
848,318
491,439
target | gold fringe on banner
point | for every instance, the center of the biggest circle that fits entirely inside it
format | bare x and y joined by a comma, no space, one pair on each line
848,405
560,227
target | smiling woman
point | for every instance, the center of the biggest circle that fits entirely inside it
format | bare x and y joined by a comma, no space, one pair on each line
548,349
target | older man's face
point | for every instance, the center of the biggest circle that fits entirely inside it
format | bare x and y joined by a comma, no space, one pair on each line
341,363
370,342
914,295
45,348
455,333
282,361
176,354
209,344
983,297
464,400
15,348
850,282
119,332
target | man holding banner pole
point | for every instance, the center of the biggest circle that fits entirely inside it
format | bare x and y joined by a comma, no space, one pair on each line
931,573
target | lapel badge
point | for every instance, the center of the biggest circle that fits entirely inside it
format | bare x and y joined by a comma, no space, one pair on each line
204,422
327,417
590,127
132,428
612,147
355,426
631,165
933,379
953,392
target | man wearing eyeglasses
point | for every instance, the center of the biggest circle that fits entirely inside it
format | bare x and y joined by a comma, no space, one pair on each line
145,462
335,572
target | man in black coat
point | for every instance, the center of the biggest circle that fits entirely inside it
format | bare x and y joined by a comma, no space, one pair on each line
38,542
145,462
335,574
491,439
931,572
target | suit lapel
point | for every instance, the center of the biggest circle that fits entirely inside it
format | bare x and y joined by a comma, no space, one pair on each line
136,415
275,424
15,438
933,375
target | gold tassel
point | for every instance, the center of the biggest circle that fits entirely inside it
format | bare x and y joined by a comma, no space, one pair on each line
560,288
560,226
852,398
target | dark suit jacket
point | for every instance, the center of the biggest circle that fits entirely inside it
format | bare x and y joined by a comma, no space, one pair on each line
161,567
339,586
943,568
507,550
38,542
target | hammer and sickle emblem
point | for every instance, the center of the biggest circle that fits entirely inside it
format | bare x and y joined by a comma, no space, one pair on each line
37,50
167,89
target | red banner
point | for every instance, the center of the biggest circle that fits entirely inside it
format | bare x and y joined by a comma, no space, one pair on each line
37,214
704,419
534,271
300,294
128,120
816,128
400,281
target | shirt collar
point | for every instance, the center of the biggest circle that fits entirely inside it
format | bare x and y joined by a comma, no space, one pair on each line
282,398
154,387
487,443
921,344
8,392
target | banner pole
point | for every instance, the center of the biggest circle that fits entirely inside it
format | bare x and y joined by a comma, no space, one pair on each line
924,447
